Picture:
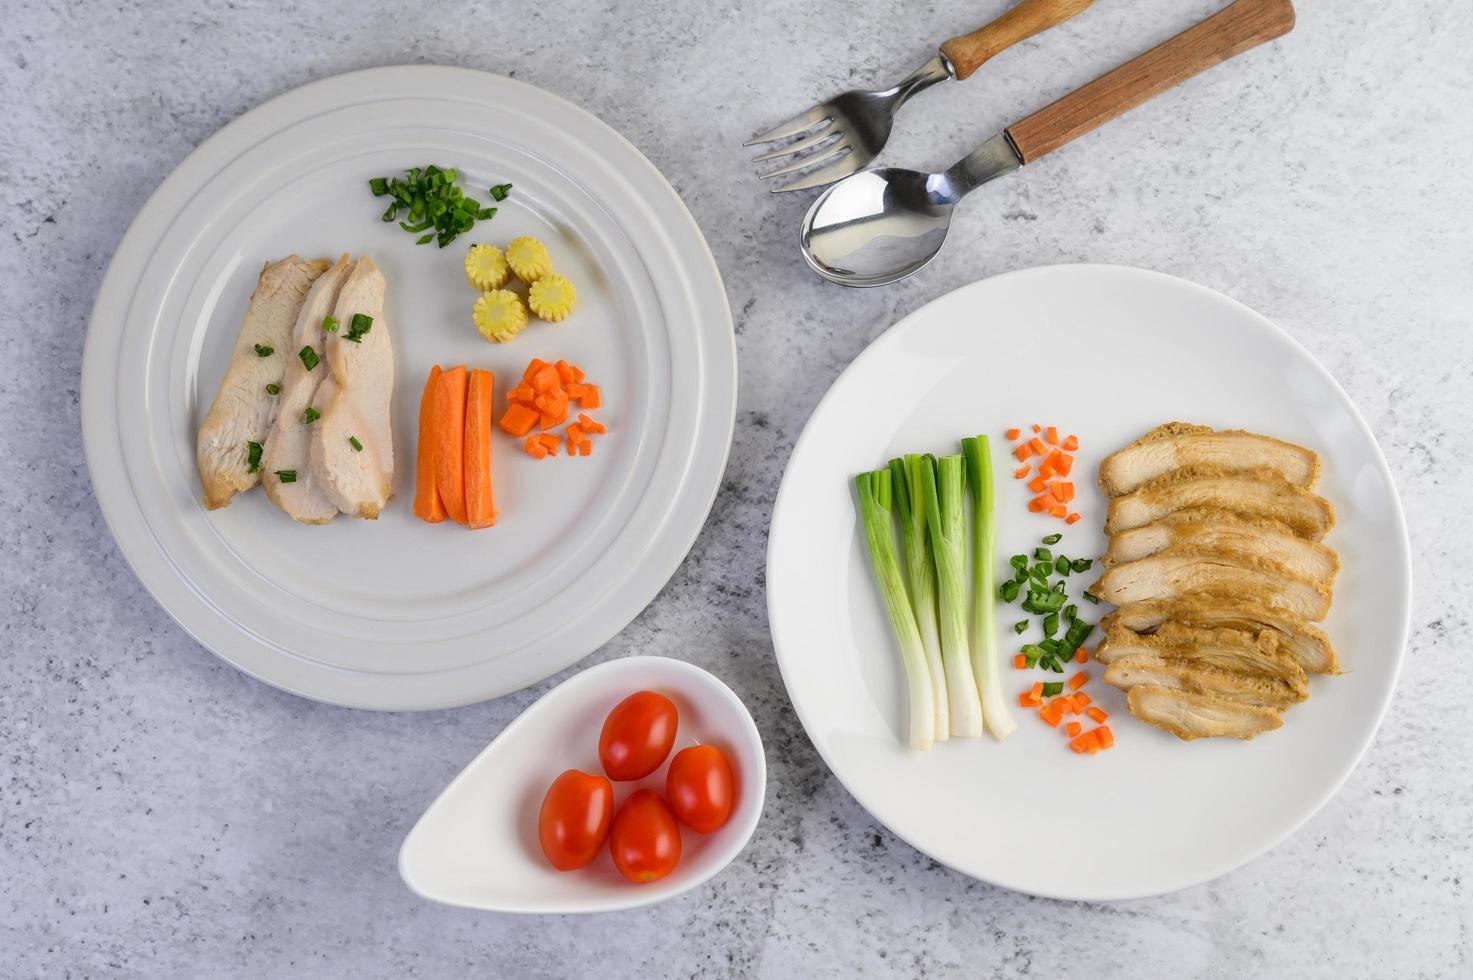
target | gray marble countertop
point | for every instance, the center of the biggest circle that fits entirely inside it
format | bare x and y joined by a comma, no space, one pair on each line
163,815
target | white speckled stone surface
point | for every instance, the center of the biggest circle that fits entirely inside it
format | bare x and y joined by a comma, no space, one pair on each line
162,815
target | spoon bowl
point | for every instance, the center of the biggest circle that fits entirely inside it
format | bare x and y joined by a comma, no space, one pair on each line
476,846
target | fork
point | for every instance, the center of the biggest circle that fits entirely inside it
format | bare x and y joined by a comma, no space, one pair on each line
849,130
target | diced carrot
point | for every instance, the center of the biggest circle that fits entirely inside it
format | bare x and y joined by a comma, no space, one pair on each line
591,424
518,420
1079,680
553,418
1036,505
480,502
1020,662
535,448
1071,519
550,441
1063,490
1071,443
575,390
427,503
574,437
564,372
1059,462
533,366
1012,434
1038,484
1104,736
1036,692
521,393
1073,728
578,374
1097,715
545,379
1021,471
1036,444
1083,700
1081,655
586,448
449,411
1025,700
1052,713
1051,436
592,397
1058,510
1022,451
1037,427
1083,742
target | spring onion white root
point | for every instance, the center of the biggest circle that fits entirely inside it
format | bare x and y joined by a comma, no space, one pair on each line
920,572
984,593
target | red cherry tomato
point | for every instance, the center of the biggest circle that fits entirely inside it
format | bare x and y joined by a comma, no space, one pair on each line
575,818
700,788
645,839
637,735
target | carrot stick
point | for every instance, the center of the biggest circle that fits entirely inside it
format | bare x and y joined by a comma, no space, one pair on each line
427,503
450,441
480,505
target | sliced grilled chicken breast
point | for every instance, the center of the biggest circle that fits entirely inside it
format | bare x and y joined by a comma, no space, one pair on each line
352,454
1231,650
1183,675
288,447
1253,612
1191,716
1257,493
1210,529
1174,572
241,411
1177,444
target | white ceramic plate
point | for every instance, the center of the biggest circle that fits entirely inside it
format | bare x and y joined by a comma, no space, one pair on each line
477,846
396,614
1108,353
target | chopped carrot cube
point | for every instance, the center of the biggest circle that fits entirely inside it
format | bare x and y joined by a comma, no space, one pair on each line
1038,484
1081,655
1083,700
533,366
1104,736
1097,715
1051,436
1037,428
1058,510
535,448
586,448
1022,451
1079,680
1072,519
1012,434
1084,742
1020,662
1062,490
1052,713
1021,471
1059,462
1073,728
1025,700
545,379
1071,443
1036,444
1037,506
591,397
1045,470
518,420
1037,689
564,372
590,424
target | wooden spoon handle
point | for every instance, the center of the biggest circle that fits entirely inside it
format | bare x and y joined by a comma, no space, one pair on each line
1234,29
967,51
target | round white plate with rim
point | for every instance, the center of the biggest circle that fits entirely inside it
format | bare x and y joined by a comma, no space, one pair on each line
1108,353
396,614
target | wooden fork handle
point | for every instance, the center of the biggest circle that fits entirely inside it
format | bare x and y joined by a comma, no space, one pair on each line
967,52
1239,26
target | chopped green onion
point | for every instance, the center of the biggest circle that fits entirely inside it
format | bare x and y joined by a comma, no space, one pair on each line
357,446
287,476
499,192
379,186
1081,564
1043,555
1008,591
311,415
263,351
1050,624
1059,586
435,205
273,389
1021,626
330,324
1071,612
1061,565
1042,570
253,456
1053,688
309,357
1053,539
1020,562
1092,598
358,326
1032,650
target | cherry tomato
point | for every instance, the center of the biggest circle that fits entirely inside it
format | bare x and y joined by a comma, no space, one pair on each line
637,735
645,839
575,818
700,788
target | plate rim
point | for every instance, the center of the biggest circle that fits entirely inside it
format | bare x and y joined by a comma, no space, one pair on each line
145,556
1398,520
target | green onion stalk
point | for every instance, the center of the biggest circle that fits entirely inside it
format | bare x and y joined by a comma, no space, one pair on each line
874,490
920,571
944,485
984,592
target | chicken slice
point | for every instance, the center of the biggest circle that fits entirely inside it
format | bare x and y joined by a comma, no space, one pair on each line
1231,650
1209,529
1258,493
352,456
1305,644
241,412
1191,716
288,447
1177,444
1177,572
1183,675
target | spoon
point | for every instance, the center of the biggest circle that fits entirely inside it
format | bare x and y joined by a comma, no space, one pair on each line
879,226
476,846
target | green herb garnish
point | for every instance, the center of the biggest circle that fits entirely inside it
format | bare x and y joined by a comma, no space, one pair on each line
309,357
253,456
499,192
263,351
1021,626
330,324
273,389
433,203
357,327
357,446
311,415
287,476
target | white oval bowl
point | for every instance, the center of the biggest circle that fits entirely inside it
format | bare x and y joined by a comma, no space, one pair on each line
476,846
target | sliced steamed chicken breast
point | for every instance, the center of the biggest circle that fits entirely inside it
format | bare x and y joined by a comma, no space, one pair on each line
1190,716
241,412
1230,650
1256,493
1181,675
1252,612
1209,529
1177,444
352,456
288,447
1177,571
